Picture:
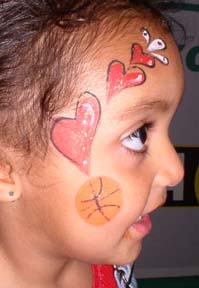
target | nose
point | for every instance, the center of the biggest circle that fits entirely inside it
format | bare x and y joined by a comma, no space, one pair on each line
170,167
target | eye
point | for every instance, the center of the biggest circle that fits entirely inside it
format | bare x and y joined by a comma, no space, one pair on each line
137,140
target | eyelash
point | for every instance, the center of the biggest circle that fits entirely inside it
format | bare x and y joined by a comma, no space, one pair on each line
146,127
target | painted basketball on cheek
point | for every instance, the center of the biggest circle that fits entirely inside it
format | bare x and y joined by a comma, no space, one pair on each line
99,200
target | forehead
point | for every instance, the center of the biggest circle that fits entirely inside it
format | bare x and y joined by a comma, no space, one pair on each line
160,79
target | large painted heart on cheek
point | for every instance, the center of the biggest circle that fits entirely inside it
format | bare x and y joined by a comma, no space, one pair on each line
139,57
119,79
73,137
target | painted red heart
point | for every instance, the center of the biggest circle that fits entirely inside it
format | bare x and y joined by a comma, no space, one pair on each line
73,137
118,79
139,57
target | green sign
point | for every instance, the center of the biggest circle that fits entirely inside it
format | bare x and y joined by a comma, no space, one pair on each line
184,6
192,57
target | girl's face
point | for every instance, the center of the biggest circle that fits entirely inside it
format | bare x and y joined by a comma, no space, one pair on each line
110,158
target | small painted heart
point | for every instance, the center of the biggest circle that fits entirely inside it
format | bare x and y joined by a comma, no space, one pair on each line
139,57
73,137
118,78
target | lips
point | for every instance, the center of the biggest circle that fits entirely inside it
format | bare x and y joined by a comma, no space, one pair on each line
143,225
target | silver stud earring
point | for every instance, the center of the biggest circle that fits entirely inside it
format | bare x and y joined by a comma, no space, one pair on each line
11,193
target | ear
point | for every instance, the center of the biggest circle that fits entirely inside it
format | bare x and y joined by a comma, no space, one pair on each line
10,188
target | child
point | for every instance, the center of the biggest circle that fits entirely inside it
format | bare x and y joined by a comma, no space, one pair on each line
87,93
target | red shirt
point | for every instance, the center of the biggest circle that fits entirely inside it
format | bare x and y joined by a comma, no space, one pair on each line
104,276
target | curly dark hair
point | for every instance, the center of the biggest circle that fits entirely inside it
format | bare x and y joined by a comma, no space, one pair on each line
38,41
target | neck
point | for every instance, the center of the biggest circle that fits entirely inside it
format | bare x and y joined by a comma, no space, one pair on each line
32,262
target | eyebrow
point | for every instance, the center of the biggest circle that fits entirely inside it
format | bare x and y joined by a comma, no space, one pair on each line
144,106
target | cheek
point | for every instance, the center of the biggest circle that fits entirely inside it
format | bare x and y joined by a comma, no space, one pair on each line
99,200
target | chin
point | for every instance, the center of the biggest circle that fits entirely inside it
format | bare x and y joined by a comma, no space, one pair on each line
127,256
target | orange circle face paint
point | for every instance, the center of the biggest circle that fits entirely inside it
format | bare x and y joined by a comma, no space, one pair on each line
99,200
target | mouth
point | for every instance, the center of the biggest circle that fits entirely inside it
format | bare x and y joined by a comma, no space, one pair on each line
143,225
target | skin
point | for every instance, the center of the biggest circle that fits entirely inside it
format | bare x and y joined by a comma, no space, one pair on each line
47,251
